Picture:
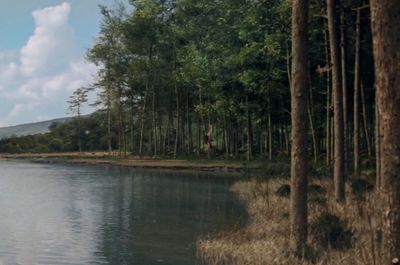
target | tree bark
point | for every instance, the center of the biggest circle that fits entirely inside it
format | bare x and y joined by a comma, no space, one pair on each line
343,46
385,24
249,131
356,112
299,111
339,162
328,101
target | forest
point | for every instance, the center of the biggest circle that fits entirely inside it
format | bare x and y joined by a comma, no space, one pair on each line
313,82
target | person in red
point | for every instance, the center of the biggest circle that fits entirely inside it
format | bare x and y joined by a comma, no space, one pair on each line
207,138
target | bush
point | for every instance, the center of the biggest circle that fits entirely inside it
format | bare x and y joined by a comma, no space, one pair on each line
315,189
317,200
329,231
283,191
360,187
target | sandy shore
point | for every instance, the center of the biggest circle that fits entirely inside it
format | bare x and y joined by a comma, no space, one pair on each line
98,158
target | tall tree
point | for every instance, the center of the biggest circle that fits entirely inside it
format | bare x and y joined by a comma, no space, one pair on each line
385,18
299,112
356,98
77,99
339,161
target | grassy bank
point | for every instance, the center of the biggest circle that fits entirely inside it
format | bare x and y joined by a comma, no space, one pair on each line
338,235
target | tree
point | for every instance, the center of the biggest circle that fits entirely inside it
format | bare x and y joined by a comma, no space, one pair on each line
339,159
77,99
299,112
385,17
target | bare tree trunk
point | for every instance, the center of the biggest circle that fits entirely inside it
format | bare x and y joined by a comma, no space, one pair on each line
356,112
249,132
269,130
299,103
343,46
311,121
154,122
131,121
142,122
365,120
109,125
328,101
79,128
226,142
385,20
339,162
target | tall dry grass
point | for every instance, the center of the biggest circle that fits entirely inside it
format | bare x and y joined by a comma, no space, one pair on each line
265,239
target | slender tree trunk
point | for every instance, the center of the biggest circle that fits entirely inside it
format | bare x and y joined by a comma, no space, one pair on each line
378,142
310,111
189,144
132,124
198,136
249,132
269,131
365,120
299,103
356,112
226,142
328,101
385,20
154,122
142,123
79,129
343,46
177,106
339,162
109,124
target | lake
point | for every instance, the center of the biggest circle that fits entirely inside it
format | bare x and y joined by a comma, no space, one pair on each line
72,214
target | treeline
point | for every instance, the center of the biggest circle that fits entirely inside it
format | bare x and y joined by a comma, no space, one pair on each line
169,69
63,137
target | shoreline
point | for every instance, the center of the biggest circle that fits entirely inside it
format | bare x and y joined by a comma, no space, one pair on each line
230,167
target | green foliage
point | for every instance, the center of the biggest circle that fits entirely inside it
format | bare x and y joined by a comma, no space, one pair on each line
62,137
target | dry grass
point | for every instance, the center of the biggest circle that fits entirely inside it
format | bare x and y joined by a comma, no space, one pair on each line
265,239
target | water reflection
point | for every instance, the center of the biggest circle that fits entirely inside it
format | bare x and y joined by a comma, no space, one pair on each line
55,214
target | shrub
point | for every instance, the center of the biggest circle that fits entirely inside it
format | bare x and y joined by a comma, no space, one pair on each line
329,231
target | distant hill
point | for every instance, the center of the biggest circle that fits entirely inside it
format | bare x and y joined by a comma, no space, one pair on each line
29,128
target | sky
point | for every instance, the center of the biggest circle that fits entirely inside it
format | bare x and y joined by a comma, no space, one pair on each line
42,56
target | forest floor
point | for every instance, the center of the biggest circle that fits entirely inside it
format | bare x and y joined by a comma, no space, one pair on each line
347,234
97,158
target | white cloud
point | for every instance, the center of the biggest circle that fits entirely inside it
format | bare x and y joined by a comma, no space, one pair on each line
37,80
52,44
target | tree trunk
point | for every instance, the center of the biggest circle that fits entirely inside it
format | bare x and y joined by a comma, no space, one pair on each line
109,124
299,104
339,162
269,131
142,123
328,101
343,46
79,129
249,132
365,120
356,112
385,24
154,122
177,117
311,121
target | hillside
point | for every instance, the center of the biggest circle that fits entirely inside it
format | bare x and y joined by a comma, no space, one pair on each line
29,128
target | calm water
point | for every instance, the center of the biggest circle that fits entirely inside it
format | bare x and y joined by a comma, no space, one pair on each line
60,214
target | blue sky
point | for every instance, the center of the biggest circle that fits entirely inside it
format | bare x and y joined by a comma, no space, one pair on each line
42,49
